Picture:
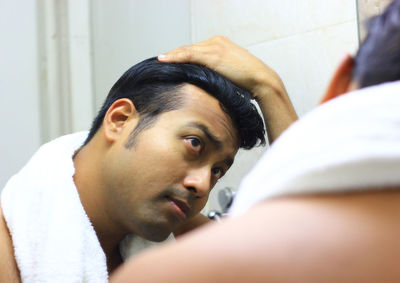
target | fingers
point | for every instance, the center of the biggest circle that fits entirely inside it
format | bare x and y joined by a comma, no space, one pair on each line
184,54
225,57
204,53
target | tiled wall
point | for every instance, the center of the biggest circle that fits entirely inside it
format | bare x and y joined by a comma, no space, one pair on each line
302,40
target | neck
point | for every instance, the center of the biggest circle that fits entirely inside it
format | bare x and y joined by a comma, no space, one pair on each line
91,190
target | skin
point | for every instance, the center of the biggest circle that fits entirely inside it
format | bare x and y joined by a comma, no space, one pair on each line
157,187
164,180
321,238
250,73
8,267
245,70
218,53
341,238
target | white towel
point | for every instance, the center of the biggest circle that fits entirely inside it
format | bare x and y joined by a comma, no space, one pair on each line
53,238
132,245
350,143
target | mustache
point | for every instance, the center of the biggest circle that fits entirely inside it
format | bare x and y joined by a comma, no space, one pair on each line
180,193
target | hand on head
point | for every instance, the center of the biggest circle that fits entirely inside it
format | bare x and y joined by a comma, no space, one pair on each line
230,60
245,70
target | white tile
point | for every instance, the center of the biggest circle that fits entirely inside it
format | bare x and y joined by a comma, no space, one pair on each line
306,62
254,21
315,14
245,22
282,55
320,53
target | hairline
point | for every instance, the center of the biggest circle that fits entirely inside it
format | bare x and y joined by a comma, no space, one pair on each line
147,121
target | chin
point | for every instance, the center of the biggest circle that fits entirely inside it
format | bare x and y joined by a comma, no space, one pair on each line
156,234
156,237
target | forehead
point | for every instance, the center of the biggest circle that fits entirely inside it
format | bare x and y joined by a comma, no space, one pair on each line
206,109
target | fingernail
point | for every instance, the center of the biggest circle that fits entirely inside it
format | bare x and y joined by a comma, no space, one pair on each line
162,57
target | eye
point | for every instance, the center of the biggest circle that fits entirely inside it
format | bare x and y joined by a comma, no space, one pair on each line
194,144
218,172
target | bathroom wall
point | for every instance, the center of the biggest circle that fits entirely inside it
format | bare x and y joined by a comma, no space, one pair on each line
19,86
125,32
45,76
302,40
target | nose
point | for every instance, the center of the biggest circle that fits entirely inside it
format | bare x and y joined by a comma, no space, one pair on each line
198,181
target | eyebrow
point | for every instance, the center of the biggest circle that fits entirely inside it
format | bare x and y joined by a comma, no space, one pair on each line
214,140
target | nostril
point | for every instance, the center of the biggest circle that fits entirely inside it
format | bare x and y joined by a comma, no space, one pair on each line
192,189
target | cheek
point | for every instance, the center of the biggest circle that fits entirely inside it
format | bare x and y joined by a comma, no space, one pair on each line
165,164
199,205
167,172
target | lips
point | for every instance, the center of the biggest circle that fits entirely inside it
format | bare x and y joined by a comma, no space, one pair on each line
181,206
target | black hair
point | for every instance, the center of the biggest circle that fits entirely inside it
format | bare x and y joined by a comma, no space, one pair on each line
154,88
378,58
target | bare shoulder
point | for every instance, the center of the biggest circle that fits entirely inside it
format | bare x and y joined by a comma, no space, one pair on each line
8,267
349,237
342,238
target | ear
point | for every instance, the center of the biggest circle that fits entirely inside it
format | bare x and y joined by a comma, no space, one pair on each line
116,118
341,81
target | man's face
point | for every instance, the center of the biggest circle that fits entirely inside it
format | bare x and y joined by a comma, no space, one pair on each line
167,176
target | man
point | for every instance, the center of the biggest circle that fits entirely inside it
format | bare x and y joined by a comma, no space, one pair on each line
164,136
323,204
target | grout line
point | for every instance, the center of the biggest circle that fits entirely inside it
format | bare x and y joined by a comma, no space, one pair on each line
358,23
296,34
